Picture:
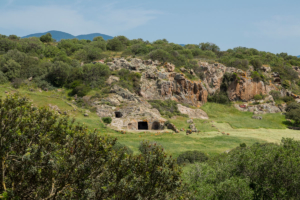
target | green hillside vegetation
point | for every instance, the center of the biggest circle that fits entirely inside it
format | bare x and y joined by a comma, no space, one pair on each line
117,164
30,57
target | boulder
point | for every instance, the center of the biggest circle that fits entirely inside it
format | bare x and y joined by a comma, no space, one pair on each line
173,127
182,69
188,132
257,117
189,121
193,128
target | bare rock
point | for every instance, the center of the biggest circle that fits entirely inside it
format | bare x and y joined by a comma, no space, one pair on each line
193,128
257,117
30,79
170,67
112,79
182,69
192,113
189,121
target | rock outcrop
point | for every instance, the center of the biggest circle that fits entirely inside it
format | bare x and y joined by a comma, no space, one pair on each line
192,113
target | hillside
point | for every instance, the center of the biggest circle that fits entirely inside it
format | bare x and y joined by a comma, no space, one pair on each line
59,35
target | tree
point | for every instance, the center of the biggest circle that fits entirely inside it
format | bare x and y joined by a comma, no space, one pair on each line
11,69
115,45
46,38
98,38
48,157
256,64
262,171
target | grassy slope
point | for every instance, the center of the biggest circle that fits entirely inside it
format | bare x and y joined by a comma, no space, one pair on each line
228,114
209,140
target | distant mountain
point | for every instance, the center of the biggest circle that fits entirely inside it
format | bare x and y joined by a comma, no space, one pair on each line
298,56
59,35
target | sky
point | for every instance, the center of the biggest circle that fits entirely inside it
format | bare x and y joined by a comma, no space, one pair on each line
267,25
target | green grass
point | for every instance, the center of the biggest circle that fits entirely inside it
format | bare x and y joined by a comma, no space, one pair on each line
211,143
237,119
210,139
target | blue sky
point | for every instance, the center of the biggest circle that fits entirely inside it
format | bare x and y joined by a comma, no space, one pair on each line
267,25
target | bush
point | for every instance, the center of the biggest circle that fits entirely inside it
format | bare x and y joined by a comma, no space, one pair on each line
106,120
293,114
286,84
288,99
243,145
16,83
257,76
292,106
257,97
122,148
81,90
275,94
41,149
220,97
192,157
3,78
149,147
256,64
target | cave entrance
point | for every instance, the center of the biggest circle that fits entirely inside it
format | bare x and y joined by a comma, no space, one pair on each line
118,114
143,126
155,126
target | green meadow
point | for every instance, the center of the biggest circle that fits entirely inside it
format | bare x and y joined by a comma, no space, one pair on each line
226,128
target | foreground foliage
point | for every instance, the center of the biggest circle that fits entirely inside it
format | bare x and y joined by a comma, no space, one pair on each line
46,157
262,171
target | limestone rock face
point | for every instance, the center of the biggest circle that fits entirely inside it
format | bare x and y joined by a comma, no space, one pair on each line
175,86
192,113
245,89
170,67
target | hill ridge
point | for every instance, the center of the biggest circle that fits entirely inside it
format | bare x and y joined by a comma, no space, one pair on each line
59,35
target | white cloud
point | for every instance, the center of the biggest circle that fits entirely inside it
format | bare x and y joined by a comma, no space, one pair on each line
278,27
106,19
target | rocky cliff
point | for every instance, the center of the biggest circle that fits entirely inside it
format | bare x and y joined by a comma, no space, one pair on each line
163,81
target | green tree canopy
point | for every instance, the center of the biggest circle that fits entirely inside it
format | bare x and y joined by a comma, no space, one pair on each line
49,157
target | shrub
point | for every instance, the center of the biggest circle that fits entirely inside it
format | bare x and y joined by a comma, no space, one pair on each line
292,106
257,76
3,78
149,147
192,157
286,84
41,149
288,99
257,97
256,64
106,120
293,114
243,145
122,148
275,94
220,97
81,90
115,45
16,83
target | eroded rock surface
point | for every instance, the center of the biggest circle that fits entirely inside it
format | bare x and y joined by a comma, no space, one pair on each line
192,113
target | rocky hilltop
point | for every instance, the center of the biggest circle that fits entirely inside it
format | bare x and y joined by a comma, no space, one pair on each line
162,81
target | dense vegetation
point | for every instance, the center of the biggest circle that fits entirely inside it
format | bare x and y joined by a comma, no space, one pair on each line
261,171
46,157
59,64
